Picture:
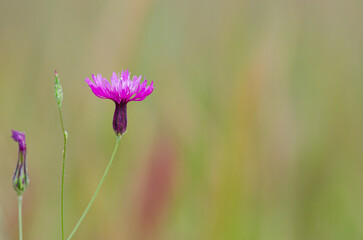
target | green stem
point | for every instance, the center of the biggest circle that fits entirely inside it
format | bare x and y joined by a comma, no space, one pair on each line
20,198
63,167
97,189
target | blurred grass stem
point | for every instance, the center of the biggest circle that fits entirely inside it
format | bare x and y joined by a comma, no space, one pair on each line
63,167
20,199
97,189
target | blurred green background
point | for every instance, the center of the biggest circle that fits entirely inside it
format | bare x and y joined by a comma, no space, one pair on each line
254,130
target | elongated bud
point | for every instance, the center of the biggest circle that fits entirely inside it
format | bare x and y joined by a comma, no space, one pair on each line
58,93
20,177
120,118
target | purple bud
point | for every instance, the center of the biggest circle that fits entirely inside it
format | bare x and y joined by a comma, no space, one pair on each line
120,118
20,177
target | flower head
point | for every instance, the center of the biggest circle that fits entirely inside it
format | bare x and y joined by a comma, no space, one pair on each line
121,90
20,177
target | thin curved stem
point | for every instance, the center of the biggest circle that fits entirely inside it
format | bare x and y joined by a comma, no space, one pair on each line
97,189
20,198
63,167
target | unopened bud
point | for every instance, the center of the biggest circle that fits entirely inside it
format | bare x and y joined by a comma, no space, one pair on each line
20,177
58,93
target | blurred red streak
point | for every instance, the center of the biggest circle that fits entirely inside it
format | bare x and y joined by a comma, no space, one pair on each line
156,190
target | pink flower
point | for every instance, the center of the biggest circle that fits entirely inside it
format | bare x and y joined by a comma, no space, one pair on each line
121,90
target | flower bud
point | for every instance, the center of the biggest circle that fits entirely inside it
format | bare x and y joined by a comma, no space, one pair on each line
20,177
120,118
58,93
